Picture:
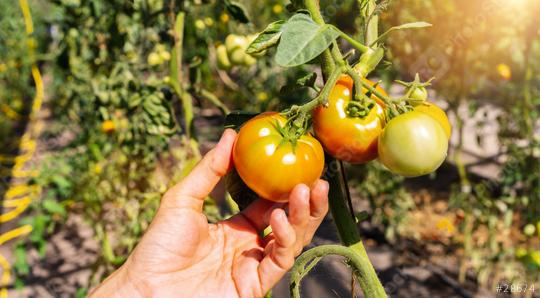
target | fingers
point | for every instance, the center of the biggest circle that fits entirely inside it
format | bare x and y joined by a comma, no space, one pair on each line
279,256
307,215
191,191
318,208
307,209
299,210
257,214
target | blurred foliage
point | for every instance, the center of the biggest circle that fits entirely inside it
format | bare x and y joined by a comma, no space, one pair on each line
116,137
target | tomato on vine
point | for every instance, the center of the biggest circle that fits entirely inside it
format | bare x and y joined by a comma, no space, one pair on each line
272,163
413,144
438,114
349,137
419,94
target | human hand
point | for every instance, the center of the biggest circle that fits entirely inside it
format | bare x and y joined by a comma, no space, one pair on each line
181,254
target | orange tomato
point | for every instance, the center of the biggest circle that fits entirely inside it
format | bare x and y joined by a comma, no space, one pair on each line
269,163
351,139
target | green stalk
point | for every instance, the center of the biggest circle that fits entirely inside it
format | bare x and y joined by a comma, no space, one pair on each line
372,26
177,75
322,98
327,63
310,258
356,44
337,196
358,81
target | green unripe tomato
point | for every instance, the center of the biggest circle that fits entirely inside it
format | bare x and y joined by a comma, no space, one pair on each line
223,58
413,144
529,230
419,95
249,60
237,56
154,59
234,42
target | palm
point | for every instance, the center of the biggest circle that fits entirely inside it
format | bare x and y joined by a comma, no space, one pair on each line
213,252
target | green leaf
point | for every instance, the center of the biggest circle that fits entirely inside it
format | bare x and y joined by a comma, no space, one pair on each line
54,207
237,11
235,119
268,38
81,293
414,25
21,264
303,40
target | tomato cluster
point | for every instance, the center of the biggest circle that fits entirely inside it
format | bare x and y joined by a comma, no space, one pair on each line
233,52
271,161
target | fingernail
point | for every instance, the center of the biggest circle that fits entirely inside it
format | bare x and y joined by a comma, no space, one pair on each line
303,191
282,216
271,209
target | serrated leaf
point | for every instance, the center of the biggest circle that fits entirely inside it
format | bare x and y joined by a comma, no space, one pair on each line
237,11
302,40
268,38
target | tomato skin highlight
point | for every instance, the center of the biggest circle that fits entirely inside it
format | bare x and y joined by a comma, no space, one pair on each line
269,164
413,144
438,114
350,139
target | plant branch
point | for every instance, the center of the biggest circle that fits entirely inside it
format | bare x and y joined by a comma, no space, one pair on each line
359,262
358,80
322,98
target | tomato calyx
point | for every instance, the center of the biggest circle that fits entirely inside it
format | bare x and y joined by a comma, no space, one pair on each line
294,129
357,109
416,90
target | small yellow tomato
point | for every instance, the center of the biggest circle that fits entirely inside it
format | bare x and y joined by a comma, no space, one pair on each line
165,55
154,59
277,9
208,21
504,71
224,18
199,24
108,126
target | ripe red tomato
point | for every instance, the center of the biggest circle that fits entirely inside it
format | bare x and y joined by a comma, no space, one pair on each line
351,139
413,144
271,165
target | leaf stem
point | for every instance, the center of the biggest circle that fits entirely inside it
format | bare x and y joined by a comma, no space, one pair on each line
355,43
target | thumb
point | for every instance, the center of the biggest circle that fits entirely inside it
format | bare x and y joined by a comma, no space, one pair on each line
193,189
